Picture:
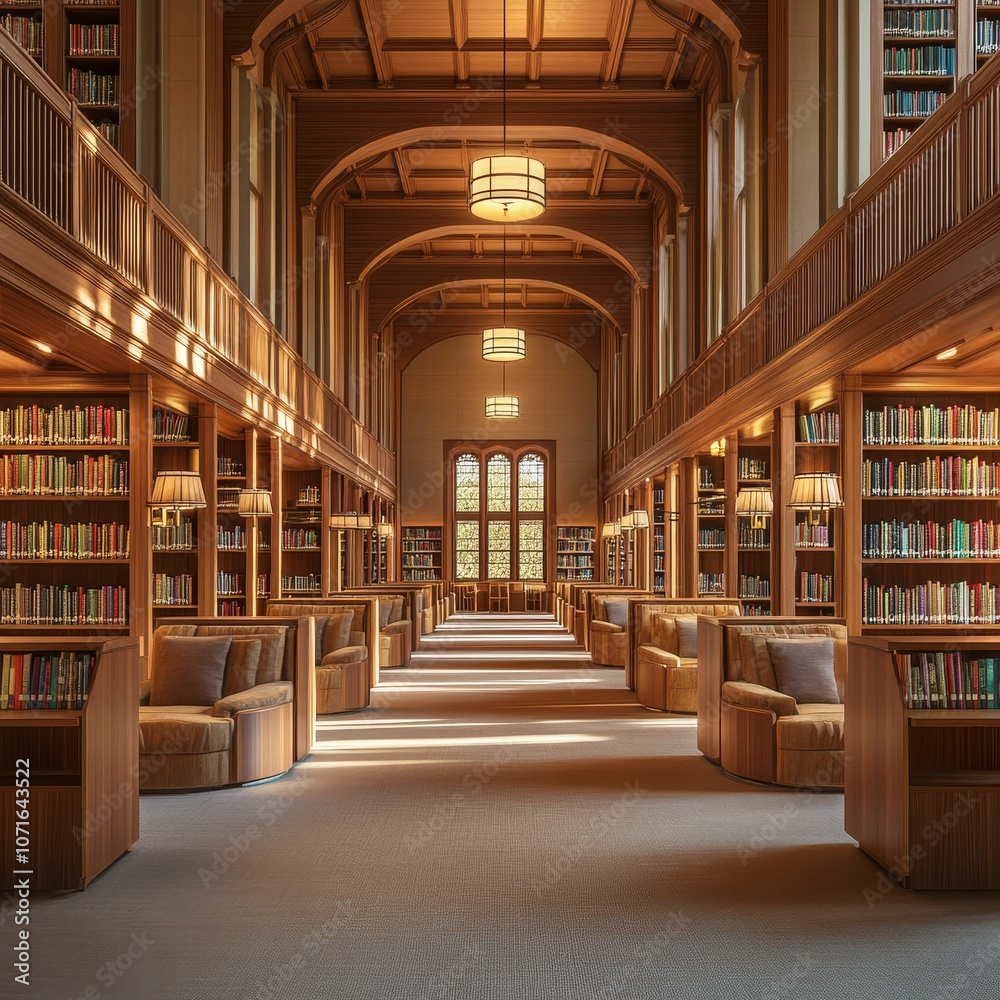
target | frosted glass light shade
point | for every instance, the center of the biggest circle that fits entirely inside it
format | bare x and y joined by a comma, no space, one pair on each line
384,530
503,343
350,519
755,501
507,188
502,406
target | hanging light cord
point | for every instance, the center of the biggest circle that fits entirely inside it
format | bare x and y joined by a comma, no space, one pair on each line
503,291
503,82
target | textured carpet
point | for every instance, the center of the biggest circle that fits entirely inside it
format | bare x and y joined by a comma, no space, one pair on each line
504,822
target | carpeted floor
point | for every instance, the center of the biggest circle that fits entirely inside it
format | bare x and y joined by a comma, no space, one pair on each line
504,822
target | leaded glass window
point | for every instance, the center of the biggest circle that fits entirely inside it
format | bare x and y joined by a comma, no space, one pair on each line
498,484
530,550
498,542
467,550
531,484
467,484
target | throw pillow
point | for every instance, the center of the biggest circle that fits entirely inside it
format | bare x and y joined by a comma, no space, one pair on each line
687,636
241,666
384,610
188,669
396,615
338,632
804,668
272,646
664,633
616,612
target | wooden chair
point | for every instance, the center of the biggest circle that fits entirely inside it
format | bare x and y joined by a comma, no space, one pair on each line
499,597
465,596
534,598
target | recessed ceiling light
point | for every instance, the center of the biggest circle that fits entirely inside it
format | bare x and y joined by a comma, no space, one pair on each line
945,355
44,348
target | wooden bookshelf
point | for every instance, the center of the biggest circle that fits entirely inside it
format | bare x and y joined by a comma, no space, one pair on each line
232,534
83,762
710,526
175,547
753,571
815,542
421,553
69,507
574,552
89,50
923,511
922,786
302,533
265,474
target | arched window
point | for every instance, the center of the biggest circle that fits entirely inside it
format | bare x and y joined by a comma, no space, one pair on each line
499,505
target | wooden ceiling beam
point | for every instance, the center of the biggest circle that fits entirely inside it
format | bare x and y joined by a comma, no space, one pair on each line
597,177
535,22
431,46
374,21
619,22
405,180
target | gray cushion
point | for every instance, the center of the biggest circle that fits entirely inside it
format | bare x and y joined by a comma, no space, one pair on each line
687,636
188,669
338,632
241,666
804,669
384,611
272,646
616,611
396,614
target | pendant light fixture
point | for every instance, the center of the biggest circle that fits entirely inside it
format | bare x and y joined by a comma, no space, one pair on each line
504,343
506,188
503,406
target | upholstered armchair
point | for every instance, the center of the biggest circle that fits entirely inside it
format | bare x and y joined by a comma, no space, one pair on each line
219,707
341,662
608,630
666,651
778,693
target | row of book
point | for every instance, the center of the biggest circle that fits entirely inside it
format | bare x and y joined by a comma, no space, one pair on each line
711,583
892,139
571,545
706,478
52,540
263,584
63,604
418,560
419,575
97,424
566,560
309,582
943,679
756,610
299,538
912,103
934,476
172,537
170,426
90,87
564,574
919,60
812,536
711,538
64,475
232,609
93,39
748,537
110,130
26,31
754,587
987,37
580,534
412,533
169,589
816,587
932,425
34,681
751,468
227,498
819,428
230,584
919,24
229,466
234,538
930,540
413,545
931,603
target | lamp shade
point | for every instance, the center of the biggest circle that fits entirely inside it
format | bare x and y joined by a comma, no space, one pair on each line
502,406
640,519
255,503
503,343
384,530
755,501
507,188
816,491
348,519
608,531
625,522
178,491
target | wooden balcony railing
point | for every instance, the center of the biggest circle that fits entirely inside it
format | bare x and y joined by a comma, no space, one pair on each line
53,159
946,172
